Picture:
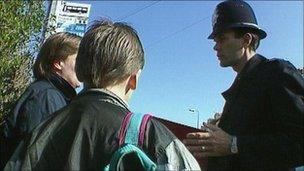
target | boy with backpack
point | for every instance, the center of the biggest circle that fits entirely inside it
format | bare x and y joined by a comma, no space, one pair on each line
85,134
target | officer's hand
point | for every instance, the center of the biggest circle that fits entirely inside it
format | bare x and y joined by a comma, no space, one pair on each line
215,120
214,143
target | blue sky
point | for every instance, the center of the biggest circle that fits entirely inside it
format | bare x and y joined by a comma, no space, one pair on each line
181,69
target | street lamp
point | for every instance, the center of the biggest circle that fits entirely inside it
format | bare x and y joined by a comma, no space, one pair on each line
197,111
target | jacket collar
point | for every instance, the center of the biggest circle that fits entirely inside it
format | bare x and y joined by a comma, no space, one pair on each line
62,85
107,96
249,70
250,66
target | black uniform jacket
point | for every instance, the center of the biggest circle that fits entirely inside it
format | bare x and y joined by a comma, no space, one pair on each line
39,101
265,110
84,134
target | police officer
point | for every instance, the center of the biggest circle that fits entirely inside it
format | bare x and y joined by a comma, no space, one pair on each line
261,126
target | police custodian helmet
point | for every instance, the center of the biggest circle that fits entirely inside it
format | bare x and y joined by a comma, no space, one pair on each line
234,14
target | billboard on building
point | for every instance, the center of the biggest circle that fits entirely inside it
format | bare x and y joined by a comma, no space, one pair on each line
70,17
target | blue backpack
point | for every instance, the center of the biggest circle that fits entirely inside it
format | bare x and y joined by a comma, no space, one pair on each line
131,138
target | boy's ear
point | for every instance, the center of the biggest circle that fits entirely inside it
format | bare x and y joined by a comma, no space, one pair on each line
132,82
133,79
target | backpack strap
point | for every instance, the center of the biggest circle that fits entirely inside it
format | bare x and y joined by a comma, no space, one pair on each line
123,151
131,137
132,130
123,128
142,130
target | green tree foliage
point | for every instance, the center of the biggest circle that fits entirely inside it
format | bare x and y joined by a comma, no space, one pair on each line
21,23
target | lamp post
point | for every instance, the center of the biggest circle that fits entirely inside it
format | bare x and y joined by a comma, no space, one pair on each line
197,111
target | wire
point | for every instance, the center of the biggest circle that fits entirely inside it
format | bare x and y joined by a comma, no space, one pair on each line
178,31
139,10
168,36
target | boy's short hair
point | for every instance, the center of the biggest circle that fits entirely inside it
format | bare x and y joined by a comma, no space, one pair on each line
108,53
57,47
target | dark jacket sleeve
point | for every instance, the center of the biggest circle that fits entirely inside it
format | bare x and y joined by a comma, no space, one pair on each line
286,100
39,107
32,108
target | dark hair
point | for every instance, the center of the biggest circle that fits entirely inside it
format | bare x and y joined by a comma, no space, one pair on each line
57,47
108,53
240,32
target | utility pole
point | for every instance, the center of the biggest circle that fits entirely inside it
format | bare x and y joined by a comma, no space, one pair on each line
46,21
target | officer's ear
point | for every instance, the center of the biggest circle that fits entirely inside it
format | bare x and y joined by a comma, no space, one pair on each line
247,39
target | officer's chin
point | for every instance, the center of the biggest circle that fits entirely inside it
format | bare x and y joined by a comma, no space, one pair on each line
223,64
